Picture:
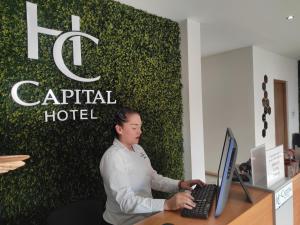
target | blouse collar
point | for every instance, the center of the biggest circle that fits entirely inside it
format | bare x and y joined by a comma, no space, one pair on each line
120,145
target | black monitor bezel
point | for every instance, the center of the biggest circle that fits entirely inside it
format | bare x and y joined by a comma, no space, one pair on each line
225,184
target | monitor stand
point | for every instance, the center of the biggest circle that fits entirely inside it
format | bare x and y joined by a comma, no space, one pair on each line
249,199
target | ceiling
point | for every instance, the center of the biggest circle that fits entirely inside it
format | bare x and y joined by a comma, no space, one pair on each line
231,24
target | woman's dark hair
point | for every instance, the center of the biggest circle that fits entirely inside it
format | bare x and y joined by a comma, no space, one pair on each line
121,117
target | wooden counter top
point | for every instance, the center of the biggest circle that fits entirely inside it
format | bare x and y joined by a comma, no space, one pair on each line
237,211
296,196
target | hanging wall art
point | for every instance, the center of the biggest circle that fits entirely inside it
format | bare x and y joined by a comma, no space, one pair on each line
266,105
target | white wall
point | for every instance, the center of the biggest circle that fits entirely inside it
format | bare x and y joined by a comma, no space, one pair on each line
280,68
227,102
192,100
232,97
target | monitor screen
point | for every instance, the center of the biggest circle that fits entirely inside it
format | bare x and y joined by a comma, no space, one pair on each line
225,171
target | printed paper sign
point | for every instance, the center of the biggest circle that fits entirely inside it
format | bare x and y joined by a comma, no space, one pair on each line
274,165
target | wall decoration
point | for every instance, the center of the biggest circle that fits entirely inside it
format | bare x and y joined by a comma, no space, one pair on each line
266,106
64,121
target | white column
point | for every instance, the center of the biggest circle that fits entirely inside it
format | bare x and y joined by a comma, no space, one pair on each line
193,141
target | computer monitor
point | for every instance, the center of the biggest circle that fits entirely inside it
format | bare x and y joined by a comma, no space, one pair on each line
225,172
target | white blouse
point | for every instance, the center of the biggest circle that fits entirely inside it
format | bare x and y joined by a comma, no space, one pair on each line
128,178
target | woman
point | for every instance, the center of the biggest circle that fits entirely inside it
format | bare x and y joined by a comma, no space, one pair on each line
129,177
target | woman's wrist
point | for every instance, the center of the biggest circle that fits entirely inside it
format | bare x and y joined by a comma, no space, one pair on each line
166,205
179,184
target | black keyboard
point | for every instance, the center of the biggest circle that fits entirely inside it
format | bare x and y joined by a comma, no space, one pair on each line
204,197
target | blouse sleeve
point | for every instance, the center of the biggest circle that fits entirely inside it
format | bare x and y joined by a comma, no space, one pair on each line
116,181
159,182
165,184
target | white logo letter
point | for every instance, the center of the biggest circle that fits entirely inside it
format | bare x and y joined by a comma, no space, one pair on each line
14,93
58,59
33,30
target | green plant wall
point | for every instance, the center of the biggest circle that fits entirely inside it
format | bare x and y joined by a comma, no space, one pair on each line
138,59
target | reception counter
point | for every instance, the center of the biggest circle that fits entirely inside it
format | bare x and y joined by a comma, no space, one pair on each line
296,196
237,211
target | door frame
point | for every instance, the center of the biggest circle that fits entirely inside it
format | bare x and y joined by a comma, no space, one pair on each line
286,140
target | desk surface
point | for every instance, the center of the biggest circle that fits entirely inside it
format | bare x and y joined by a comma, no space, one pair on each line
296,190
237,211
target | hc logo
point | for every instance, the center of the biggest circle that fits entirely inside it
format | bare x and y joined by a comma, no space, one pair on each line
33,31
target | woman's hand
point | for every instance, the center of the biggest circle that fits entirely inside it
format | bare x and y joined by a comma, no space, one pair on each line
187,184
180,200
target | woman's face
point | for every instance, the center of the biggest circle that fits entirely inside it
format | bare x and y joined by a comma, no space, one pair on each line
130,132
